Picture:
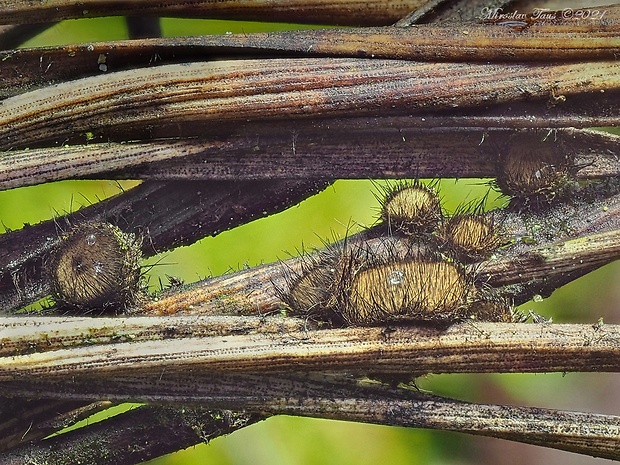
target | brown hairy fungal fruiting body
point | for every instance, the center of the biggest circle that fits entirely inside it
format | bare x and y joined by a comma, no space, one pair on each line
491,307
411,207
406,290
96,268
472,236
533,172
310,292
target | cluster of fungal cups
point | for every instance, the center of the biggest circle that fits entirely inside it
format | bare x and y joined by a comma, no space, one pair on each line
417,265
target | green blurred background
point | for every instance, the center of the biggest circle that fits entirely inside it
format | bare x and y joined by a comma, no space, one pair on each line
287,440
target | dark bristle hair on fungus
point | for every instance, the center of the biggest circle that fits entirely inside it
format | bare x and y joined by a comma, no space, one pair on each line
410,207
534,171
96,269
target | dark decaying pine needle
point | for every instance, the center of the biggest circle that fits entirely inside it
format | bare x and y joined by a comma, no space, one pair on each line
133,437
345,12
26,420
316,149
341,399
153,367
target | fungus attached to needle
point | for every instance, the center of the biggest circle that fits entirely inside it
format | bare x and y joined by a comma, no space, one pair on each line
411,207
411,290
96,269
471,236
533,173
